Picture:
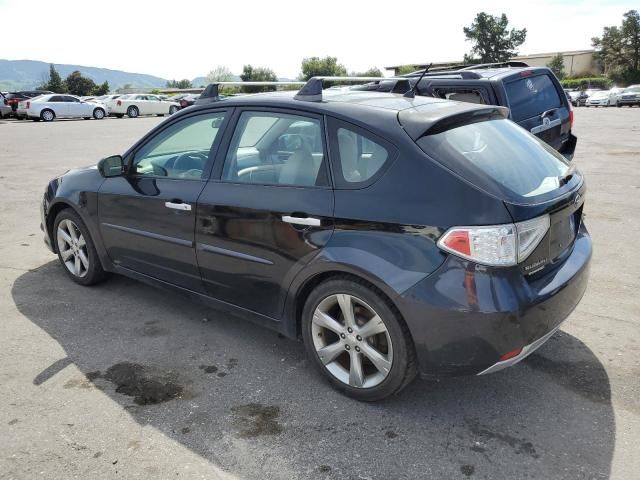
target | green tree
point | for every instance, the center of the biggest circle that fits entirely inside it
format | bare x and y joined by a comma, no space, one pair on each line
316,66
184,83
493,40
54,83
101,89
219,74
258,74
76,84
372,72
405,69
557,65
618,49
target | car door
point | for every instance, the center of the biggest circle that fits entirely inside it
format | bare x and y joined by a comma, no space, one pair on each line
269,211
155,105
147,216
57,103
74,107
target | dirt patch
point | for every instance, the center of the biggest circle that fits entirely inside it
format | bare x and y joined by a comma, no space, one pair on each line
519,445
144,384
209,368
255,419
467,470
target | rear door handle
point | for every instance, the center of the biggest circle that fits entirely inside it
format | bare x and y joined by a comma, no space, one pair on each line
178,206
309,221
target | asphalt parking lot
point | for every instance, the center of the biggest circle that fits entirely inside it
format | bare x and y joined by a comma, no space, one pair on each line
249,406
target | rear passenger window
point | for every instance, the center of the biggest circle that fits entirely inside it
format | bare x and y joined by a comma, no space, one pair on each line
531,96
361,156
271,148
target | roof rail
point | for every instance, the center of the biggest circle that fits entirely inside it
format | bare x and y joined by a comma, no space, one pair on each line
312,90
495,65
211,92
464,74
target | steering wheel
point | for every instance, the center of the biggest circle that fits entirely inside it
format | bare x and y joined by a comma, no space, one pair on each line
191,173
190,161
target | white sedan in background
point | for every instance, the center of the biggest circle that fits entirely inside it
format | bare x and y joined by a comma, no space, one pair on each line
599,99
49,107
141,104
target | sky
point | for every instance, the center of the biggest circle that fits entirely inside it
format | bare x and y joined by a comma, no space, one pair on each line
188,38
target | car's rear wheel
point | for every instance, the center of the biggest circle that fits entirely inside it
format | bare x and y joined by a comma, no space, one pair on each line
76,250
132,112
47,115
173,109
99,113
357,339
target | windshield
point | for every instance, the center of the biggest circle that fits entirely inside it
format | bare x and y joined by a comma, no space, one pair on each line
632,90
501,151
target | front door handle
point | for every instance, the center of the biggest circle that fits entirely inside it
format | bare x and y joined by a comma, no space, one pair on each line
178,206
309,221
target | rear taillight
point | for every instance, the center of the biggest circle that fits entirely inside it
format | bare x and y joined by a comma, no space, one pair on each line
497,245
570,117
28,104
183,104
525,73
118,103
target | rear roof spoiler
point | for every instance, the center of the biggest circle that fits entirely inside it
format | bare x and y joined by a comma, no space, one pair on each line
418,123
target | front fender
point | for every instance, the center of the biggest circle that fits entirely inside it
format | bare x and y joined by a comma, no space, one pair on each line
78,190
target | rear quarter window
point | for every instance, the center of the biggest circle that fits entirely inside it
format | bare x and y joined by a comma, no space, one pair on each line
531,96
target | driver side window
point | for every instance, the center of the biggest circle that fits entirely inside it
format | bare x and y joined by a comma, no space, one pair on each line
180,151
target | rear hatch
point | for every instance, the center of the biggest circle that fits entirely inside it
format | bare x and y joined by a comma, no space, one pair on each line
531,178
538,104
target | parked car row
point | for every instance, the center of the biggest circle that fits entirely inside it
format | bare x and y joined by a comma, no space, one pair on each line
47,106
615,97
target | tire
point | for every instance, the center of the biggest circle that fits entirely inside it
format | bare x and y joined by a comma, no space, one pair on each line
173,109
119,115
79,259
390,343
99,113
133,112
47,115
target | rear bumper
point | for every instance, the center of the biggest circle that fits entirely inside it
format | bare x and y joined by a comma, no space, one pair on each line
464,317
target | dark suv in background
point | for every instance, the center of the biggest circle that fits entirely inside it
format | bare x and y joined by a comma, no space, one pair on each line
534,96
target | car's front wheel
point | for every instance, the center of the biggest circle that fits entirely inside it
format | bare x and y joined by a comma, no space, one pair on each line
173,109
99,114
357,339
76,250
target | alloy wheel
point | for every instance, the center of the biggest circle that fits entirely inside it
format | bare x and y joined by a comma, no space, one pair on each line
47,115
73,248
352,341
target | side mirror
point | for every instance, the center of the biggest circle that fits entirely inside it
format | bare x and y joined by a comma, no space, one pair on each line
112,166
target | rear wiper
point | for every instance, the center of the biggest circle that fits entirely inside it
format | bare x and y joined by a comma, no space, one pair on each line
564,179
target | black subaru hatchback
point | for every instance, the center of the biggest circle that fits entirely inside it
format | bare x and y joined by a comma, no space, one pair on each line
394,235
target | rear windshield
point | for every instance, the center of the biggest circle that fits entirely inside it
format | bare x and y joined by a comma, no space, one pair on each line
498,152
530,96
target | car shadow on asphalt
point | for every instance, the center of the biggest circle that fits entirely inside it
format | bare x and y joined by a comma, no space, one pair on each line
223,387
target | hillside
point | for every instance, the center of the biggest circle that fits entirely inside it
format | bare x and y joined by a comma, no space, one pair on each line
23,74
